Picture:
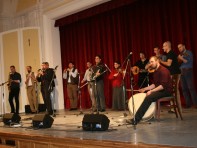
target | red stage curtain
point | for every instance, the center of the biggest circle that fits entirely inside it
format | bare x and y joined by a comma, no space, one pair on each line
113,34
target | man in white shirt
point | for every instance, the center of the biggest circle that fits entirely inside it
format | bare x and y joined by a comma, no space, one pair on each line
87,78
71,74
31,90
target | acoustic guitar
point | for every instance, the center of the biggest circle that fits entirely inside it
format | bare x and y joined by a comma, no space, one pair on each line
135,70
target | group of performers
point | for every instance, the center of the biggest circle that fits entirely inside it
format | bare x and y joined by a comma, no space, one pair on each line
161,66
164,68
94,78
169,61
45,77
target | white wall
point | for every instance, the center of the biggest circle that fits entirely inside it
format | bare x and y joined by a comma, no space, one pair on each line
21,69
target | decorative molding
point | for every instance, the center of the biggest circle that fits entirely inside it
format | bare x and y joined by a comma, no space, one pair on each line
5,24
30,19
7,8
52,4
73,7
53,9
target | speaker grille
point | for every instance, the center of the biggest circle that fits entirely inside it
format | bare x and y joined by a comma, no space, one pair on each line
11,118
95,122
42,121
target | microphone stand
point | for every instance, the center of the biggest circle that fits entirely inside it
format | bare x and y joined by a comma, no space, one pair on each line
146,78
36,89
95,88
3,101
124,90
50,89
131,86
123,87
79,95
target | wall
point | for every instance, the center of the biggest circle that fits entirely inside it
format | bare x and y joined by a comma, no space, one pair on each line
11,51
20,48
41,15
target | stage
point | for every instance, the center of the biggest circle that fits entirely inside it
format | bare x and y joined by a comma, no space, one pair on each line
66,131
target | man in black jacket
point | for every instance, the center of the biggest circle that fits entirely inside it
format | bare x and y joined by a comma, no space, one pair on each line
98,83
46,77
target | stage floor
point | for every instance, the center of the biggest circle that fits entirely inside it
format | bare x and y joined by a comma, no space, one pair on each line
169,131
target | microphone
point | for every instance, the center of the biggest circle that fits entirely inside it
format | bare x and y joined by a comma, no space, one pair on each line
107,67
56,67
129,55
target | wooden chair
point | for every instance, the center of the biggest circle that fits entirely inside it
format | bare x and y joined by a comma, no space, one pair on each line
173,99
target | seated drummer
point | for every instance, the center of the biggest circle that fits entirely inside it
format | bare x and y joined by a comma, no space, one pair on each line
161,87
140,68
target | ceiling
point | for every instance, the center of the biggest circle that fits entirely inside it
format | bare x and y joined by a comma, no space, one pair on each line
10,8
7,8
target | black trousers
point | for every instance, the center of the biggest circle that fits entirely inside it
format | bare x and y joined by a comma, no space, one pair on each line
47,98
153,97
98,91
14,94
143,81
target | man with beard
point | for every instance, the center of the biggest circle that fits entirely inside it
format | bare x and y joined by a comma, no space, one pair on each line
161,87
46,76
31,90
187,78
87,78
98,83
72,76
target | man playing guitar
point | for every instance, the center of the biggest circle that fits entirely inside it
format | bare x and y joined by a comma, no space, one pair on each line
140,68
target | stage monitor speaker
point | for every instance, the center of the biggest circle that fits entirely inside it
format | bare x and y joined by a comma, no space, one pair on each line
10,118
95,122
42,121
41,108
27,109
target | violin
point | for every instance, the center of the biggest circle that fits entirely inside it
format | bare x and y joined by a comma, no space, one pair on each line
120,70
150,70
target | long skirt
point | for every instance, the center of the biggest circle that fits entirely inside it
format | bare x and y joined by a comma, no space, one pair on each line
118,100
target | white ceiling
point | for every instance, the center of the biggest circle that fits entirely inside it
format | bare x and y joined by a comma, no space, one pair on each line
7,8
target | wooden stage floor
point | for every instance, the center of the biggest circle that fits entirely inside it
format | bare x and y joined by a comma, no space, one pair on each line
67,125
